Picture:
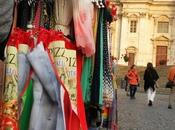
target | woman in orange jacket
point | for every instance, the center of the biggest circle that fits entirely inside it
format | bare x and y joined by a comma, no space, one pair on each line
171,77
133,80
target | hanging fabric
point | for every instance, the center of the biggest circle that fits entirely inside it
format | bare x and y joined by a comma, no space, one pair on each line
39,59
83,17
23,15
86,79
63,15
68,62
107,77
47,14
97,81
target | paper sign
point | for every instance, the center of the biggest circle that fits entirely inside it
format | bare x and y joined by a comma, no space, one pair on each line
65,62
10,107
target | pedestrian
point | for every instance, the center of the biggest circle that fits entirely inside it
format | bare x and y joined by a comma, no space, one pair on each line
150,78
171,79
133,80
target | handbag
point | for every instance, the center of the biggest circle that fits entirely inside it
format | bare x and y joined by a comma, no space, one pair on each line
170,84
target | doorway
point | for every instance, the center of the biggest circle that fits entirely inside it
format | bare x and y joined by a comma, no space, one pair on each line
161,55
131,59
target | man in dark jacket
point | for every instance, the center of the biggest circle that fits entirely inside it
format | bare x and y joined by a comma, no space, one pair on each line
150,78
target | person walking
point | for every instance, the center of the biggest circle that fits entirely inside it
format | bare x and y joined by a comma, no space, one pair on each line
150,78
171,78
133,80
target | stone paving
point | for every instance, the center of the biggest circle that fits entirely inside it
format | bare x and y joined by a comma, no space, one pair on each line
135,114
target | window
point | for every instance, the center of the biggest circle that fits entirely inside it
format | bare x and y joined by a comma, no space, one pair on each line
133,26
163,27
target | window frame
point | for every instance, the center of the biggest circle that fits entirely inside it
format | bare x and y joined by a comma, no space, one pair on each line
133,26
163,28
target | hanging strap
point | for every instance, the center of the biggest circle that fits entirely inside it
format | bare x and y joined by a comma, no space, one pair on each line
26,84
36,21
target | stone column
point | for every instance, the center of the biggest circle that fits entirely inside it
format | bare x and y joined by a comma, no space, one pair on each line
124,36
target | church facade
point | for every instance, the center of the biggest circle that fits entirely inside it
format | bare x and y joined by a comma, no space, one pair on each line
144,32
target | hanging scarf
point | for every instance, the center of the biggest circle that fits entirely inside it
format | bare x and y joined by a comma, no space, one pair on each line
83,17
107,78
87,72
86,79
97,81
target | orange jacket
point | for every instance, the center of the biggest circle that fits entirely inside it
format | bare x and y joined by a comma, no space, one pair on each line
171,74
133,77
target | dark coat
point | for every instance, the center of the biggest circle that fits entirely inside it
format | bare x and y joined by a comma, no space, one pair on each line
150,76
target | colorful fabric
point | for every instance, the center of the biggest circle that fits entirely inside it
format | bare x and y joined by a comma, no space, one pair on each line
63,21
97,81
86,79
83,17
23,14
68,62
107,78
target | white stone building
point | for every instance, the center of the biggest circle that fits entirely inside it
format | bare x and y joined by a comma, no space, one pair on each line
145,30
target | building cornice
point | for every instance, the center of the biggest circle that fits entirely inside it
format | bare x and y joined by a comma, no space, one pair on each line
150,2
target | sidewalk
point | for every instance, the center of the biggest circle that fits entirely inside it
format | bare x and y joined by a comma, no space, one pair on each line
137,115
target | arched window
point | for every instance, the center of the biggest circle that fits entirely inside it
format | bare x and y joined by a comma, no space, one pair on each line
163,25
133,23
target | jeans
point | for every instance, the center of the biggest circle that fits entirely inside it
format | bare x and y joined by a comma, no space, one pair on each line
133,89
40,62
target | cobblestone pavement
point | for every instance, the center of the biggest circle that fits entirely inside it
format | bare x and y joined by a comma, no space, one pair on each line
135,114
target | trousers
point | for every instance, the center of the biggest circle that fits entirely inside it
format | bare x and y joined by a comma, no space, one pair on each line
151,94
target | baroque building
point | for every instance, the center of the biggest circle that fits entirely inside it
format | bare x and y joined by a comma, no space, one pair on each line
145,32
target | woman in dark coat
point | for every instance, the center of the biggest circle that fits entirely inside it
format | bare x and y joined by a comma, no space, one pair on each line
150,78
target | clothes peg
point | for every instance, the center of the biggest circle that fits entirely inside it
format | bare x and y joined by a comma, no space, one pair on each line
101,3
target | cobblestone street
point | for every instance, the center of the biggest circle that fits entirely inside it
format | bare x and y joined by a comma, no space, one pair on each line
137,115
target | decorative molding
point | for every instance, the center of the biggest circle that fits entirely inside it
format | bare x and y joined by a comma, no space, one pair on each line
125,14
171,20
120,15
142,14
131,49
155,19
150,15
